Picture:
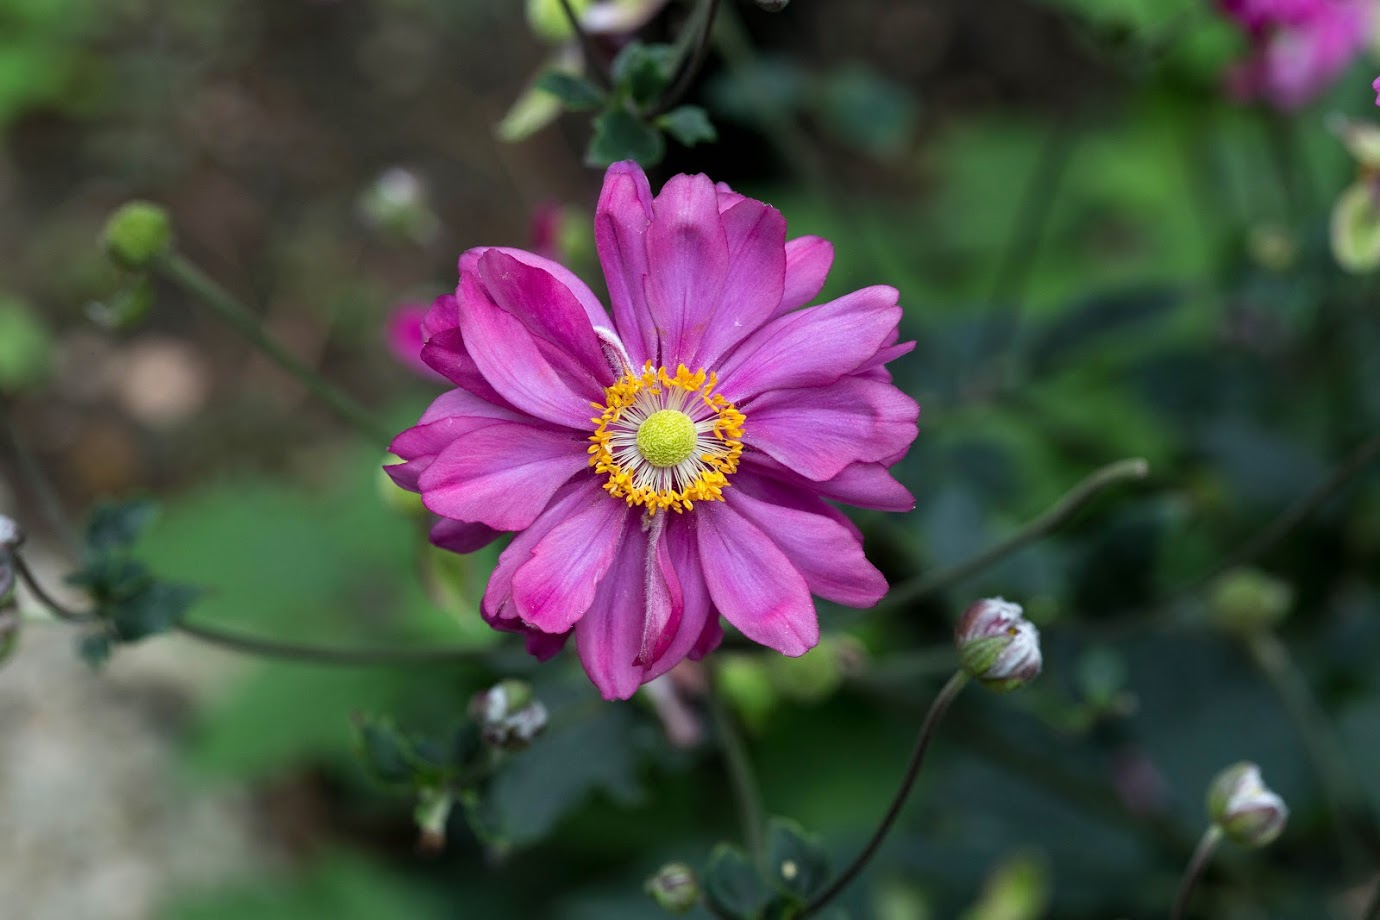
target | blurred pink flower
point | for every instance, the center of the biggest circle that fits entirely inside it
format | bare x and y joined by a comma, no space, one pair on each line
403,335
726,413
1375,85
1298,47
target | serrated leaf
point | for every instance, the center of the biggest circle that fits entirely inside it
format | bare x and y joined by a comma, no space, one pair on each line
688,124
642,72
576,93
797,865
732,886
117,525
621,135
159,607
111,578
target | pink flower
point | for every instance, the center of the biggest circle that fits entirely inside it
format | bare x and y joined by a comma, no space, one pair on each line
403,335
1298,47
1375,85
725,414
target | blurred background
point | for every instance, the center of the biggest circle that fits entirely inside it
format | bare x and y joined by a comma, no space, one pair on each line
1102,254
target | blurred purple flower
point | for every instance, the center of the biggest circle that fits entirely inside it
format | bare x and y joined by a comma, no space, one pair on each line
1375,85
1297,47
725,413
403,334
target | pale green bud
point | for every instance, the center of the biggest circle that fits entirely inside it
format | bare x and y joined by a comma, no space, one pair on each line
1244,808
674,887
137,234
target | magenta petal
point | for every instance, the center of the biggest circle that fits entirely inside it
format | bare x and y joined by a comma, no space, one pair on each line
446,353
555,587
549,311
403,335
756,235
808,260
688,251
598,316
811,347
444,314
819,431
609,635
828,553
697,630
512,362
502,475
866,485
752,583
620,230
461,536
665,598
572,499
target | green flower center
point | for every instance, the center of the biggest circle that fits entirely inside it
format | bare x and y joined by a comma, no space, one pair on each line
666,438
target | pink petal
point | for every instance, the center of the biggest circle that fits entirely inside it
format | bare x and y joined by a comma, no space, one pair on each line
727,197
665,597
688,254
462,537
808,260
501,475
570,500
697,632
753,583
555,587
827,552
620,228
444,314
756,235
609,635
512,362
451,415
446,353
819,431
549,312
403,335
866,485
469,262
812,347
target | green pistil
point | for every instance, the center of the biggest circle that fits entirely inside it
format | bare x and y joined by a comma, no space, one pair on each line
666,438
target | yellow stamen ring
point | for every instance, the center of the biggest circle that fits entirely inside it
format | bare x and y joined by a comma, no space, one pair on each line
666,440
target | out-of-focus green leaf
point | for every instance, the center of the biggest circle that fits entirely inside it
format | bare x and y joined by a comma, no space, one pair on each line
732,885
533,110
26,348
797,864
156,609
688,124
642,72
1356,227
117,525
866,111
1017,890
575,92
621,135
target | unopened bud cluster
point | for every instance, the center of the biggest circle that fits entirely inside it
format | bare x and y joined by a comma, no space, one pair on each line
997,645
509,716
1246,810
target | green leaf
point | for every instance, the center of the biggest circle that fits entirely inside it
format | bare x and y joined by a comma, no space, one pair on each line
117,525
642,72
576,93
732,886
797,864
112,578
688,124
1356,227
94,648
384,750
126,308
529,113
621,135
867,111
159,607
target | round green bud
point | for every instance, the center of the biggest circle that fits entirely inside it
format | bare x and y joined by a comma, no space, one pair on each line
674,887
1248,600
137,234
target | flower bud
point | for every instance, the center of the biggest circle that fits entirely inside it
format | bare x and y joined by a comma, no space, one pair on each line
136,234
398,205
674,887
432,813
1248,600
997,645
509,716
1241,805
10,534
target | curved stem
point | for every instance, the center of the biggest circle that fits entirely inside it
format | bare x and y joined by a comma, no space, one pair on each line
1206,847
62,612
740,775
32,474
917,758
1373,911
1056,514
691,59
587,47
193,280
326,654
1344,796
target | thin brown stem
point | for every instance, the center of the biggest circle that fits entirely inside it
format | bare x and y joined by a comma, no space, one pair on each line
594,65
58,609
1067,505
691,61
1206,847
917,759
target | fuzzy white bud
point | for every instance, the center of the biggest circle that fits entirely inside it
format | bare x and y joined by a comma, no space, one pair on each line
997,645
1247,811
